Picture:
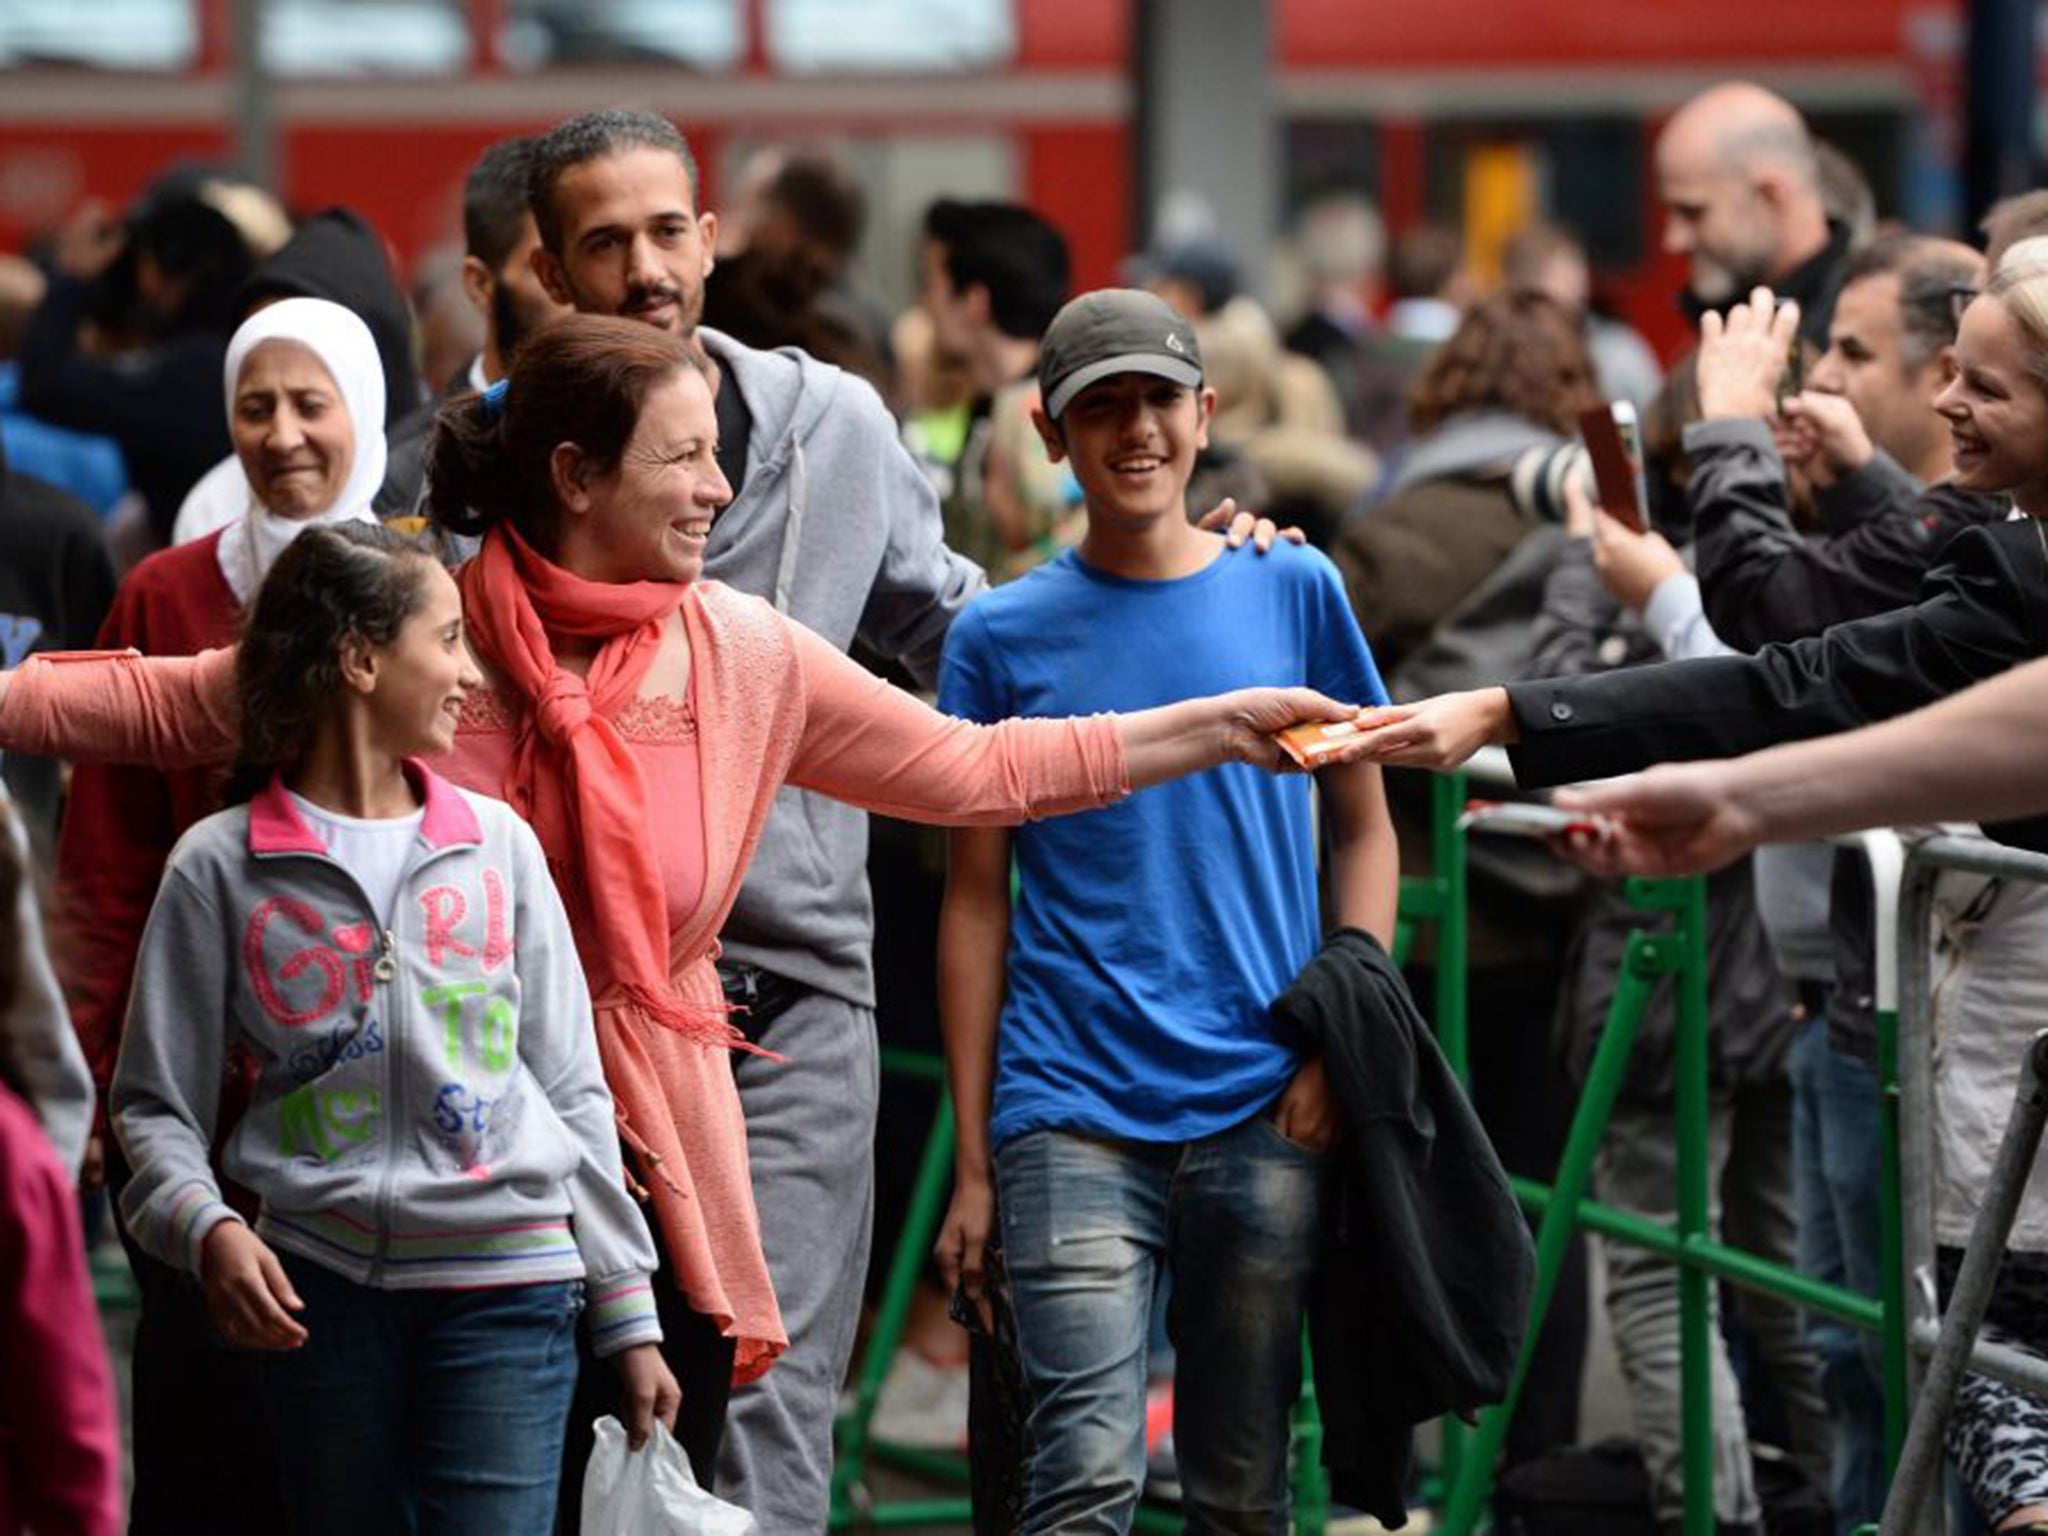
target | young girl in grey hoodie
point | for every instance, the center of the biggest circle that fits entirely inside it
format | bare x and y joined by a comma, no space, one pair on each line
430,1135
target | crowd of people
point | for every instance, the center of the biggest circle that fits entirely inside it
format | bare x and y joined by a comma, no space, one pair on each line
444,937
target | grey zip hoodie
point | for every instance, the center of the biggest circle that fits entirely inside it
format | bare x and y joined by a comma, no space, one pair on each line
839,529
430,1112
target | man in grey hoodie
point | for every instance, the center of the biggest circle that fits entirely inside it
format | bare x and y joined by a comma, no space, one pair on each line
833,522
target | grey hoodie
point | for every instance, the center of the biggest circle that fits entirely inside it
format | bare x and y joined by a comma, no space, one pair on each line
840,530
429,1112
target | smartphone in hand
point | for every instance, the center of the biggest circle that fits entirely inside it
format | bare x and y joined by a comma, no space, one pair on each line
1518,818
1614,442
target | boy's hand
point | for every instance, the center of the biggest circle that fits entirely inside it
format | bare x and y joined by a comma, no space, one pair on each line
651,1392
247,1291
1307,1112
1236,527
962,1247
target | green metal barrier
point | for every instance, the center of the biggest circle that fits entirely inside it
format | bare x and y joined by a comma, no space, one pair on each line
1680,953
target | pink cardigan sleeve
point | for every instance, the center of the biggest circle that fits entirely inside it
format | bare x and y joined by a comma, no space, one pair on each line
123,707
875,746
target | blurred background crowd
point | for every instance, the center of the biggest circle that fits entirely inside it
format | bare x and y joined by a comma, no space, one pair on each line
1414,241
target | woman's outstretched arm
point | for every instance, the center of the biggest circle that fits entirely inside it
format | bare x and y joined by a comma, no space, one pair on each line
122,707
875,746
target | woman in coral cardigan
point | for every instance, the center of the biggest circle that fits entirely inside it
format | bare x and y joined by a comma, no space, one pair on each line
643,720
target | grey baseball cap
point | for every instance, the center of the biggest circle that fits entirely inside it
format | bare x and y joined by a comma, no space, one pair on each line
1114,330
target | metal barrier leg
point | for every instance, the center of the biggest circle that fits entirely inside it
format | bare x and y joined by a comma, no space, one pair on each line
1311,1482
1646,959
1447,854
1920,1461
1690,1070
920,1224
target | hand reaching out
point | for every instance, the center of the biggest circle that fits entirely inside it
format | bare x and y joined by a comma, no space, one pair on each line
1438,733
1679,819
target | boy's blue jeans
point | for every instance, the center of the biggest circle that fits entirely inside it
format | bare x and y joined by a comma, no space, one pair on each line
423,1413
1086,1223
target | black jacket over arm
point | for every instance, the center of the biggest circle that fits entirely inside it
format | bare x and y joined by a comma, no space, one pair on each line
1425,1268
1983,610
1763,581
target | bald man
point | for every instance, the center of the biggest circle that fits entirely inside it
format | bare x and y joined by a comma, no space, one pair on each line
1741,190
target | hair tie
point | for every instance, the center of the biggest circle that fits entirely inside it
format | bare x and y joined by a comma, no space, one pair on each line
494,399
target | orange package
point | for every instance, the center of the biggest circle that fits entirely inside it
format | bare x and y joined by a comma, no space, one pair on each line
1311,743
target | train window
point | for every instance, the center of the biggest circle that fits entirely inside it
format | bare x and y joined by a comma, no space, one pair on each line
704,35
365,37
108,34
924,36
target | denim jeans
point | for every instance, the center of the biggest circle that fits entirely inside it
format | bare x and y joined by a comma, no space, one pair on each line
1835,1166
423,1413
1086,1224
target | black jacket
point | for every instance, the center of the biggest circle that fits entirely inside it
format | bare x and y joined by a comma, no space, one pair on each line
1425,1270
1762,580
1982,611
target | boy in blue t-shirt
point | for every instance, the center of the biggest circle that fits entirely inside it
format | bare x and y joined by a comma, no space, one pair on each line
1114,1066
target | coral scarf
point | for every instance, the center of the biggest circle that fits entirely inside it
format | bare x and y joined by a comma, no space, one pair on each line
593,829
663,1033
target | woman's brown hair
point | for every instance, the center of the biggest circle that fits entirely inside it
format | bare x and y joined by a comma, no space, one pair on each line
1522,353
582,379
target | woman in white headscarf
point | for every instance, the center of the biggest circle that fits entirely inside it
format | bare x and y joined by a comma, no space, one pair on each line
305,407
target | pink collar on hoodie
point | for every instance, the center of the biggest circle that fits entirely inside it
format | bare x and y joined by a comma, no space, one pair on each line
275,825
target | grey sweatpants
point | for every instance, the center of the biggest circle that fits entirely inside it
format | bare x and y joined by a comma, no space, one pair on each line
1750,1189
811,1140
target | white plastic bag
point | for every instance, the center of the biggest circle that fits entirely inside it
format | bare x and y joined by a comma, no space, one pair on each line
651,1492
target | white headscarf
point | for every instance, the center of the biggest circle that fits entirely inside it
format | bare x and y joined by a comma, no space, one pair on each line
338,337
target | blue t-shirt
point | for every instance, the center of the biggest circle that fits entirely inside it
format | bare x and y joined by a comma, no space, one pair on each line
1149,938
